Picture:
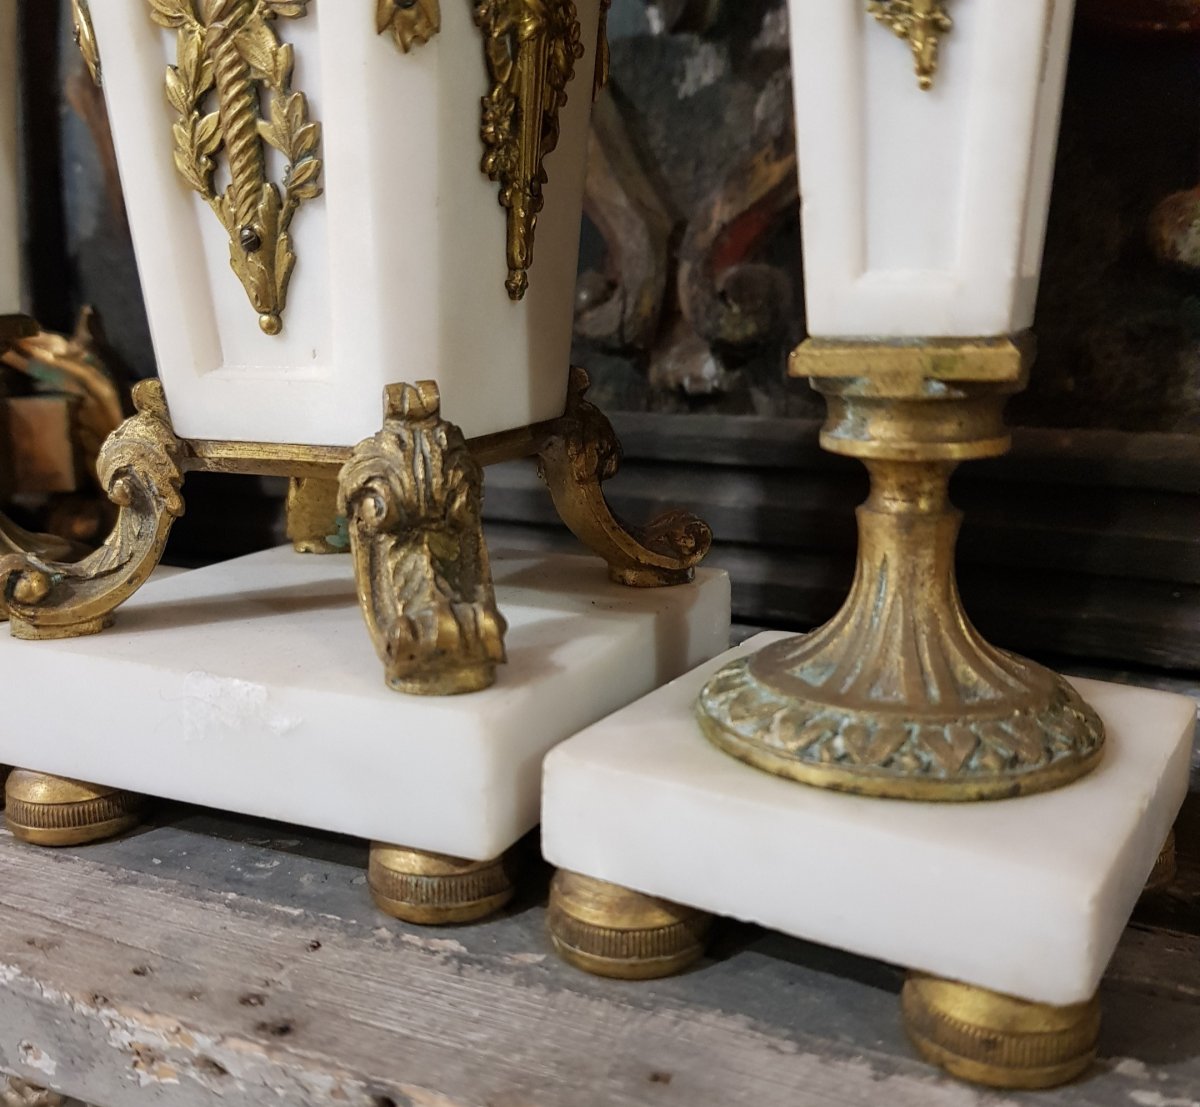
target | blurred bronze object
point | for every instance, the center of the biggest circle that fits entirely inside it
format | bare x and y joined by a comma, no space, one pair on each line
1166,868
314,525
1145,17
85,37
62,374
58,403
899,695
1175,230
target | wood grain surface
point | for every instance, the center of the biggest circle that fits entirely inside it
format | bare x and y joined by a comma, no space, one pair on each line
207,959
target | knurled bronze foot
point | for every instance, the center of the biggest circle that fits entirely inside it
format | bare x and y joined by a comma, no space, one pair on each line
431,889
49,810
992,1039
607,930
1165,868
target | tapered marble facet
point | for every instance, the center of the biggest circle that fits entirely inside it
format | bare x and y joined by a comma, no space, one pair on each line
1027,897
925,211
401,263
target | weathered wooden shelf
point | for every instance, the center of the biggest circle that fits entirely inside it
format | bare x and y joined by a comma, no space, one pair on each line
208,959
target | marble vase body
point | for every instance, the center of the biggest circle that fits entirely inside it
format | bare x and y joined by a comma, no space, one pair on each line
401,262
925,212
10,211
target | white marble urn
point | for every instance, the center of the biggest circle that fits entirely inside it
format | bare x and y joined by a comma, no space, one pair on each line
927,132
329,196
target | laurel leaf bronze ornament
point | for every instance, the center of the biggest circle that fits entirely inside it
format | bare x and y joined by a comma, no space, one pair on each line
228,54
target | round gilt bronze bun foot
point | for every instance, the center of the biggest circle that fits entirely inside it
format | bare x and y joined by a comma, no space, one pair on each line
49,810
607,930
431,889
1165,868
995,1040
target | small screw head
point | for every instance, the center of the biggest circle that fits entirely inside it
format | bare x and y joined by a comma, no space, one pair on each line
31,588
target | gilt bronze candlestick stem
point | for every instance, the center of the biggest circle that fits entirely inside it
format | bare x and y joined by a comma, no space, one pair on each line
899,695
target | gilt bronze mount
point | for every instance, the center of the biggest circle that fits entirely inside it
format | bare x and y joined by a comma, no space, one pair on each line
412,500
899,695
921,23
412,22
229,53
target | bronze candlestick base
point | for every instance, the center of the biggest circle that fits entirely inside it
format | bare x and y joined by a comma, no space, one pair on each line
899,695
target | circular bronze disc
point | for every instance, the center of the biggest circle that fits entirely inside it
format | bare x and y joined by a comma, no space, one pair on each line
431,889
56,811
607,930
996,1040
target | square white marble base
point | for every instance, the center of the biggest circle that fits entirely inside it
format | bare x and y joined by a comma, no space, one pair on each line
1026,896
253,686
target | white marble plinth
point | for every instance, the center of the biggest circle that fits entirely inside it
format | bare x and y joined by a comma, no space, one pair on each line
1026,896
253,686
